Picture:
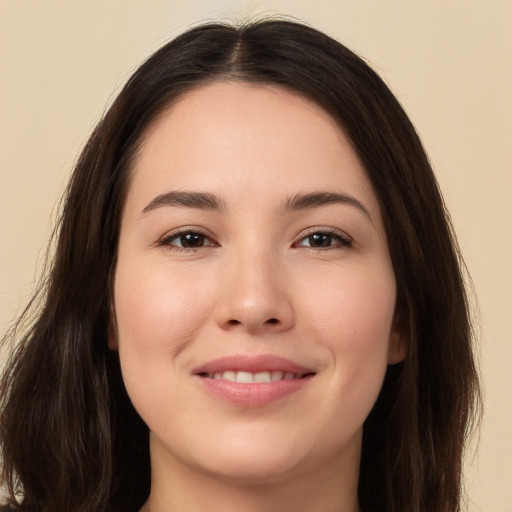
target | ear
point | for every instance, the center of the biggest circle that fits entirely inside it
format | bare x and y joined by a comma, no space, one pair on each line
112,330
111,337
398,343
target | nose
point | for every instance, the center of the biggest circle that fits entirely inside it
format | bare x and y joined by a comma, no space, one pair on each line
254,296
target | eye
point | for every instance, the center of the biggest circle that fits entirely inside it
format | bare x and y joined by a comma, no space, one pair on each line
187,240
324,240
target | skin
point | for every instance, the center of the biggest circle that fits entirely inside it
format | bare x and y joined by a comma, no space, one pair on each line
253,284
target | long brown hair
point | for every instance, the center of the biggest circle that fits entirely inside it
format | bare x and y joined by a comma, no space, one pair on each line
70,439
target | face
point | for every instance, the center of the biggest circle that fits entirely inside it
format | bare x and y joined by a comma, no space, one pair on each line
254,292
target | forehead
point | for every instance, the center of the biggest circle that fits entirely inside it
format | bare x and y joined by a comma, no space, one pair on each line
227,136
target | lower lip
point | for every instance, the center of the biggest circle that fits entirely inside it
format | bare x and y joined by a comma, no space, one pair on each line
253,395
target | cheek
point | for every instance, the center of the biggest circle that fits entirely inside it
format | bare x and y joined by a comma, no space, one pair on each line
155,296
356,308
158,313
353,314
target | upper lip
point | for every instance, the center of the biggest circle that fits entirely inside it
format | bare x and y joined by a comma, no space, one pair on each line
252,364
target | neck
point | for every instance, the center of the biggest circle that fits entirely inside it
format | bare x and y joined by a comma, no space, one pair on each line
331,487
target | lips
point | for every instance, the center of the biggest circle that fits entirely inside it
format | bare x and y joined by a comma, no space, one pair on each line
252,364
252,378
253,381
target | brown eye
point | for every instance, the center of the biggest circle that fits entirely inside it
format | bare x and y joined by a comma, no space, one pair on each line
188,240
324,240
320,240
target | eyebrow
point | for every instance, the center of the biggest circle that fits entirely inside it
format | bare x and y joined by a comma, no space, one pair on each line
200,200
206,201
317,199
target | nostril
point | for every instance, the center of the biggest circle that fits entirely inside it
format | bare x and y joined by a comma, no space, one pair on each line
238,322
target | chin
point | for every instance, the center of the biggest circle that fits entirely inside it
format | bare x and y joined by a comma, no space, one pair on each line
247,454
255,468
256,455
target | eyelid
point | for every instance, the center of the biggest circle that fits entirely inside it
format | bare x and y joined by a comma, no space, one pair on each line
345,239
165,239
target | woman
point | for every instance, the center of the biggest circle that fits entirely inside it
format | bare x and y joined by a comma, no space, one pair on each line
256,301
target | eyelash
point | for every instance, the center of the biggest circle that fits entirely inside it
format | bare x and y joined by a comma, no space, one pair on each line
168,238
343,241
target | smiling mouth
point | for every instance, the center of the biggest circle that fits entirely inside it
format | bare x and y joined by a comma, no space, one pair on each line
244,377
253,380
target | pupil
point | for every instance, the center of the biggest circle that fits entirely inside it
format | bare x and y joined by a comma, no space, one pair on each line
191,240
320,240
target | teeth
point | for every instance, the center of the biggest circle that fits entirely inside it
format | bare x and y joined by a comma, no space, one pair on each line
231,376
244,377
262,377
251,378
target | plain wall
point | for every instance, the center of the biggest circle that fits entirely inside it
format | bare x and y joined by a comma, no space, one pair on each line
449,63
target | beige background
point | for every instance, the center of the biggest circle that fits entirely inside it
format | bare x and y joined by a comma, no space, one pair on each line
449,62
